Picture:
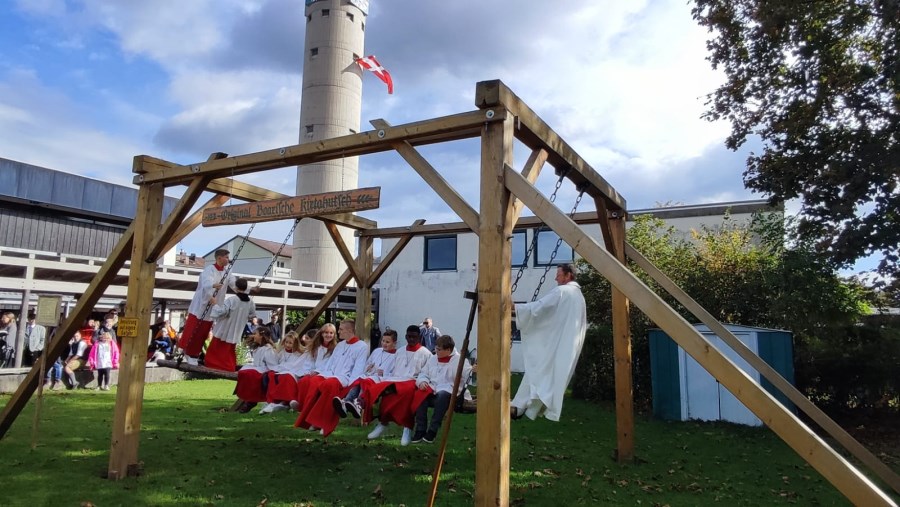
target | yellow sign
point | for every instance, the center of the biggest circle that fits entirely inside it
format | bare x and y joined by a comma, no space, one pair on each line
48,308
328,203
127,328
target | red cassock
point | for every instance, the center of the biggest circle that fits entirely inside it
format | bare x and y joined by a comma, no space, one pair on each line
220,355
250,385
307,388
318,410
194,335
397,406
282,387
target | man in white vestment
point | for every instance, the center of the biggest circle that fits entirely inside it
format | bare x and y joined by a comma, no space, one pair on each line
553,330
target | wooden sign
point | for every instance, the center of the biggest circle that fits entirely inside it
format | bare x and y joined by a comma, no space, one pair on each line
127,328
327,203
48,308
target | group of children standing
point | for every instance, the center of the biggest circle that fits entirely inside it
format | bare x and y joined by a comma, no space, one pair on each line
325,376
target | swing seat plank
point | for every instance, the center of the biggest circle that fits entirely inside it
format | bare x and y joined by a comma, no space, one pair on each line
200,370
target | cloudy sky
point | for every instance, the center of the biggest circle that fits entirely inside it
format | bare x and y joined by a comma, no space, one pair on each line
86,85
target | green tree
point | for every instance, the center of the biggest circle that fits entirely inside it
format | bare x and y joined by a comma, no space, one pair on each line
744,274
819,83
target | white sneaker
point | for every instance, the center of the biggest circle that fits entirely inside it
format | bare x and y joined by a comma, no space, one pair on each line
295,405
191,361
407,437
277,407
267,409
379,429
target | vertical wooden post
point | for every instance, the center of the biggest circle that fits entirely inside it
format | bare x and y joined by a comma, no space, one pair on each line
494,317
622,352
363,289
123,456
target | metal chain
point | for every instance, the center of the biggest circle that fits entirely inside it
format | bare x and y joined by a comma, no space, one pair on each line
533,245
275,257
555,249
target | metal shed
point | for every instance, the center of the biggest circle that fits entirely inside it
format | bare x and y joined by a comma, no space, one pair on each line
683,390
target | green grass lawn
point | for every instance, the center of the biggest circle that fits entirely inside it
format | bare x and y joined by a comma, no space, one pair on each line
195,452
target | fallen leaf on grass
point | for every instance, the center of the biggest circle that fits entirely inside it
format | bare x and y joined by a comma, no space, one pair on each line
263,502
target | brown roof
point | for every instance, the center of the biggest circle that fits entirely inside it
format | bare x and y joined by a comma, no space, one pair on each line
272,246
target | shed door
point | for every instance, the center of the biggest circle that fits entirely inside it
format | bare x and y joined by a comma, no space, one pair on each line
705,398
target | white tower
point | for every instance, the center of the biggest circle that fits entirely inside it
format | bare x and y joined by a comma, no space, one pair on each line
330,107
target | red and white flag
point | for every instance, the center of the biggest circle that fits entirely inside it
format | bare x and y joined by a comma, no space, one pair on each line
371,64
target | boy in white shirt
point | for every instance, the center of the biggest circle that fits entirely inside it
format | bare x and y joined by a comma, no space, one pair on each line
434,387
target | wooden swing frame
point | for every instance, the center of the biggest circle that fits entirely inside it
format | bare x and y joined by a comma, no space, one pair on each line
500,118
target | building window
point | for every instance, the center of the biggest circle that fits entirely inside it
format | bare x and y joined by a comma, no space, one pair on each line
440,253
350,16
309,18
326,12
546,243
363,26
314,52
519,246
309,129
280,264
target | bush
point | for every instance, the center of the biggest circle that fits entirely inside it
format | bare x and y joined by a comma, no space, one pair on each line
594,377
851,368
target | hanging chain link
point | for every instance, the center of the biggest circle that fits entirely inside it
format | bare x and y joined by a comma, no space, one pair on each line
275,257
533,245
555,249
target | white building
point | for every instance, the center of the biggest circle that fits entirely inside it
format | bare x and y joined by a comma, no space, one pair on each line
429,277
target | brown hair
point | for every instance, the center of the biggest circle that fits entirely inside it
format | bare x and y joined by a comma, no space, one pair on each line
319,341
294,338
444,342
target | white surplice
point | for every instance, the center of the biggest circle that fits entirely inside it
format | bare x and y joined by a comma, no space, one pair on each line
553,330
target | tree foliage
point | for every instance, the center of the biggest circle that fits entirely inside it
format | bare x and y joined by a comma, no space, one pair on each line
819,83
747,274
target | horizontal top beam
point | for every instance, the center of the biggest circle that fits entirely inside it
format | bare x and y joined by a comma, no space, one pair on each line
446,128
587,217
533,132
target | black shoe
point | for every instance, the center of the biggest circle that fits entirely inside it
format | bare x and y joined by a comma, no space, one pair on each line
418,437
338,405
515,413
429,437
246,407
354,408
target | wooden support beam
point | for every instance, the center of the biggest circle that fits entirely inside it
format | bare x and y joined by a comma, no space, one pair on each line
388,259
837,470
621,329
193,221
434,179
364,290
433,130
126,428
603,216
802,402
531,171
352,265
326,300
535,133
176,218
494,318
73,322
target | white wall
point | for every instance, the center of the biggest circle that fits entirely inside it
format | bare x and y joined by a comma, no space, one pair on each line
408,293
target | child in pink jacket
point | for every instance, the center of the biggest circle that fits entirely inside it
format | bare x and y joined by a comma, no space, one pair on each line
104,357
